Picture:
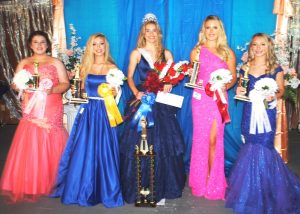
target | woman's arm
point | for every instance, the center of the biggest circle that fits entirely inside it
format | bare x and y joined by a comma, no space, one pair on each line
231,63
133,61
280,83
168,57
62,78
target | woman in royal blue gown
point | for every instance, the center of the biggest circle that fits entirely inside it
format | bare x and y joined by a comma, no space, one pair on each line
89,169
165,135
260,182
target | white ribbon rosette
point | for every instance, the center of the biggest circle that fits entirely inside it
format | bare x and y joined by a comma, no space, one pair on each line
37,103
263,88
115,78
21,80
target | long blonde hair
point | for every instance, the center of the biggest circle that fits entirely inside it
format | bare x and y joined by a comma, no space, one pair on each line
222,46
141,42
270,55
88,57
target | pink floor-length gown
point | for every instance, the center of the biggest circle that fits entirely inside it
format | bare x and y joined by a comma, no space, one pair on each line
31,165
204,111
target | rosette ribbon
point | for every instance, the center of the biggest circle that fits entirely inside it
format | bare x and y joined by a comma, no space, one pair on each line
259,118
37,103
145,110
112,110
215,91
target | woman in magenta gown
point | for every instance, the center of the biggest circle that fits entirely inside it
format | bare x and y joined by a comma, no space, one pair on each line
207,176
260,182
32,161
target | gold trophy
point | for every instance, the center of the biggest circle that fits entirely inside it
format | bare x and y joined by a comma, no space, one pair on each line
145,196
35,76
193,79
244,83
77,95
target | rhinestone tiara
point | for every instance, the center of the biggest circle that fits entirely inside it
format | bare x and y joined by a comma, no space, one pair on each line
149,17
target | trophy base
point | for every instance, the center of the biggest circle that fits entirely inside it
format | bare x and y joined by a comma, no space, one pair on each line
242,98
77,101
145,204
192,85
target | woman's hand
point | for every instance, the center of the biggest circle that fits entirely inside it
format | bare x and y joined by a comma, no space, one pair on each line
49,91
139,95
167,88
14,87
240,90
114,91
270,98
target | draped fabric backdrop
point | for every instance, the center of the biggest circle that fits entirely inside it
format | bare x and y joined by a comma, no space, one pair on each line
180,22
17,20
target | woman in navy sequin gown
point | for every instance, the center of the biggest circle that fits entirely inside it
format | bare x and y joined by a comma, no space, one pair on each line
165,135
89,169
260,182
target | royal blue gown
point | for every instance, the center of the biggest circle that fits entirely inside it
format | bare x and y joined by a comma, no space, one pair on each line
89,169
167,140
260,182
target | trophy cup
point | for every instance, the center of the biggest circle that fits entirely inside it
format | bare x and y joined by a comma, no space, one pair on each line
35,76
77,95
145,196
196,65
244,83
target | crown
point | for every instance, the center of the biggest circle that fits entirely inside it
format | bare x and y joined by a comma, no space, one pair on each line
149,17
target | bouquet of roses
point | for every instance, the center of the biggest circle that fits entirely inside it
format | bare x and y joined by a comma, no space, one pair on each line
22,80
291,83
166,73
214,88
263,88
115,78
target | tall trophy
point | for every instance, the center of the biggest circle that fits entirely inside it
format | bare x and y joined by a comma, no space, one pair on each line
77,95
244,83
35,76
194,76
145,196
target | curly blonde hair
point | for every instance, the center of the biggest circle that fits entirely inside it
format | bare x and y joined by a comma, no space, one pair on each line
270,55
141,42
88,57
222,46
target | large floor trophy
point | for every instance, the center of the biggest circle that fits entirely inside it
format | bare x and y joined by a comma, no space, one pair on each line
76,95
145,196
244,83
194,76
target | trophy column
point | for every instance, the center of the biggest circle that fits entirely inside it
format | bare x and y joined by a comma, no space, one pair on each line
145,196
194,76
35,76
244,83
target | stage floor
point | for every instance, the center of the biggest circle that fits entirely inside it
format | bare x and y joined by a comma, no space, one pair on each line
187,204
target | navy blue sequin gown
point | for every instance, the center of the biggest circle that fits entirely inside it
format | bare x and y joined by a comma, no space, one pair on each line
260,182
168,143
89,169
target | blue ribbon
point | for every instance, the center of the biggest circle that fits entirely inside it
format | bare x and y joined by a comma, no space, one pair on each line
145,110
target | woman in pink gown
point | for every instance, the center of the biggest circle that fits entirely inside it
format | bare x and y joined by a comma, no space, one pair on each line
32,161
207,176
